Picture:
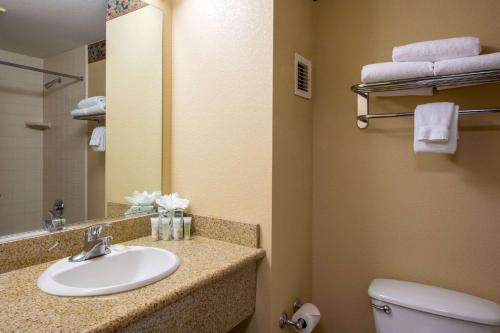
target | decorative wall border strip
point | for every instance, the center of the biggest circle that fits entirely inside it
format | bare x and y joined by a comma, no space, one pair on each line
118,8
97,51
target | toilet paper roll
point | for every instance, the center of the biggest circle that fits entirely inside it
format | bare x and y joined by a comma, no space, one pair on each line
310,314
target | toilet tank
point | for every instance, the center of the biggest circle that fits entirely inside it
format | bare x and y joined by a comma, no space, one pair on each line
408,307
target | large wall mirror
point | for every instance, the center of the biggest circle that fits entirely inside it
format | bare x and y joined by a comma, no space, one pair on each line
81,112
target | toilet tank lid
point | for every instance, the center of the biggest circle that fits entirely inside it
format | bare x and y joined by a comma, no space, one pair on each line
436,300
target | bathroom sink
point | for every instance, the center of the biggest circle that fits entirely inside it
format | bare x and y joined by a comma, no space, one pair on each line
125,268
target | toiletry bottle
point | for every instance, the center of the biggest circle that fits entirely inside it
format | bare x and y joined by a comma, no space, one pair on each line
187,227
154,228
161,216
177,228
166,227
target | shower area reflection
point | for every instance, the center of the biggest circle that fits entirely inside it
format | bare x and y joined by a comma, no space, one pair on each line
42,148
64,144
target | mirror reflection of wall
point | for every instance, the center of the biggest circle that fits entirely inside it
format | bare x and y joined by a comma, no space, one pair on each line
134,131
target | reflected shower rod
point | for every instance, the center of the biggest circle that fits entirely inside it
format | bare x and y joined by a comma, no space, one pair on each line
40,70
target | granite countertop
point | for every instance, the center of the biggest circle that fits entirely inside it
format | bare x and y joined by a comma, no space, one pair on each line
25,308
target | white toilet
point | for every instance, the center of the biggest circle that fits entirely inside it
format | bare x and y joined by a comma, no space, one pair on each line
407,307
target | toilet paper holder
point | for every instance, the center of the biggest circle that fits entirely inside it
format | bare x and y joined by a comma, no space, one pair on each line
284,321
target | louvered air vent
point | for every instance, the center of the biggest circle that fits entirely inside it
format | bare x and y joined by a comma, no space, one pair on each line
302,76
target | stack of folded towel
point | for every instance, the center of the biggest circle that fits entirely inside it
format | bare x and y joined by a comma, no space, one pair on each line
98,139
436,128
437,57
92,106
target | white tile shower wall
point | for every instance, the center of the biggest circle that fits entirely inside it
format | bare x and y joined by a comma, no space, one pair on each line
21,158
65,143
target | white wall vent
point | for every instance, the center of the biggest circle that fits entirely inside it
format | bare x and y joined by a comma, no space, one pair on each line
303,71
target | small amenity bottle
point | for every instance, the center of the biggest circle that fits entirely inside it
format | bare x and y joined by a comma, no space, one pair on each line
177,228
154,228
187,227
165,226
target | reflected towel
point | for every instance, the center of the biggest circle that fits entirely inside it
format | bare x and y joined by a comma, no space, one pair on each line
91,101
387,71
98,139
436,50
94,110
466,65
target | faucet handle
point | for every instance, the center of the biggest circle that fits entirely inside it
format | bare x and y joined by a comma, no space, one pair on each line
107,243
94,232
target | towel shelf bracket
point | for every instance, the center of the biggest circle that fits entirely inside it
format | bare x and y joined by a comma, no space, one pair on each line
363,108
455,80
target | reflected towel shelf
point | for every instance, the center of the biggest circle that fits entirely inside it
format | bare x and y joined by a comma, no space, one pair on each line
96,117
436,82
38,125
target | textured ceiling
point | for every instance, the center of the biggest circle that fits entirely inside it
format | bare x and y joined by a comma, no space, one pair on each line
45,28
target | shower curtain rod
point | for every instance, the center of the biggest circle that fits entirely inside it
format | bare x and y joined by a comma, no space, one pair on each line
11,64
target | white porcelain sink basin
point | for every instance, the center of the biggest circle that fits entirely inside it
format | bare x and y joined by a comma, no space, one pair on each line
125,268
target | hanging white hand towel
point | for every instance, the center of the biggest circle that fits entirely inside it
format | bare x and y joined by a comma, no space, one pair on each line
436,128
432,121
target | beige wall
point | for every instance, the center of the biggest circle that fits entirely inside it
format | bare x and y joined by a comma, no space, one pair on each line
167,98
222,118
21,148
379,209
292,161
65,143
134,96
166,7
96,81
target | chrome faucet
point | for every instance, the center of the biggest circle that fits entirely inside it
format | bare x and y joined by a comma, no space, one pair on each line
94,245
56,220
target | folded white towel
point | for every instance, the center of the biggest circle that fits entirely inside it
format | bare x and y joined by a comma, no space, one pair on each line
469,64
387,71
439,140
98,139
436,50
94,110
91,101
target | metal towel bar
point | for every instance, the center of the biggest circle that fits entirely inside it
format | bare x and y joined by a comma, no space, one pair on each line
411,114
455,80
